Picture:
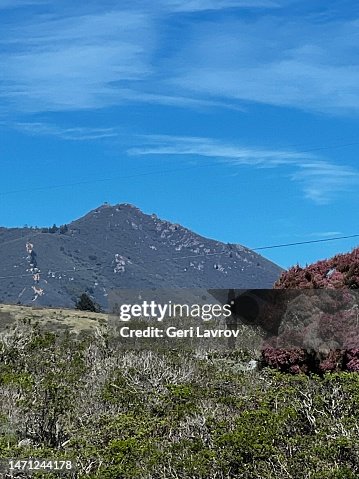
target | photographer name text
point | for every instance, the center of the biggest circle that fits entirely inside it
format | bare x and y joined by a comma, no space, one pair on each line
174,332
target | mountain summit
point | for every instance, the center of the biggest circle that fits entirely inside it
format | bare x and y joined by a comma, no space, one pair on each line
120,247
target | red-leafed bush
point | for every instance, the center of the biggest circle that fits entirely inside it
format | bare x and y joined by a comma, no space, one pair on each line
336,323
341,271
294,360
352,359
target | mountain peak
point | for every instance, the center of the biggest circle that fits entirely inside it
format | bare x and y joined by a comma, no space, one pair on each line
119,246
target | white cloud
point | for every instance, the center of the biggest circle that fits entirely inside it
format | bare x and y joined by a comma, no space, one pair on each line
319,179
292,63
11,4
203,5
322,234
77,62
87,57
75,134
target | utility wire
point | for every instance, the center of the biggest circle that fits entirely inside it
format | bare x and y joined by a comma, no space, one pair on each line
90,268
322,240
150,173
15,240
103,180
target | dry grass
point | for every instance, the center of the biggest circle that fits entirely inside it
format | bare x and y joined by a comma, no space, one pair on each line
75,320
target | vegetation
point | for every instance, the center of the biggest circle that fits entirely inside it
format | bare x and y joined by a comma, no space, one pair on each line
150,414
125,414
56,229
85,303
338,277
341,271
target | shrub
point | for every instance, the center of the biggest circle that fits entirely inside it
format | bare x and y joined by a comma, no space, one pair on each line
85,303
337,322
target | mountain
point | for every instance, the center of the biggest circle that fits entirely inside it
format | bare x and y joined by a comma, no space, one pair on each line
119,247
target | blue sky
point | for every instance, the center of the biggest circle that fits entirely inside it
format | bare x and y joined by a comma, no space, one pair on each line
235,118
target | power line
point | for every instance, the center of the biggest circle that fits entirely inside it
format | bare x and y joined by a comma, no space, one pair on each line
322,240
151,173
284,245
220,253
103,180
27,236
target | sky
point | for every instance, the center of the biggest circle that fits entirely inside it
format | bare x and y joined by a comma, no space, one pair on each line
235,118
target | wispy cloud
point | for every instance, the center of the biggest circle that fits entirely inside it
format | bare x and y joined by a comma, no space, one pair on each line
77,62
315,235
203,5
322,234
75,134
85,57
87,61
319,179
177,145
11,4
294,63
